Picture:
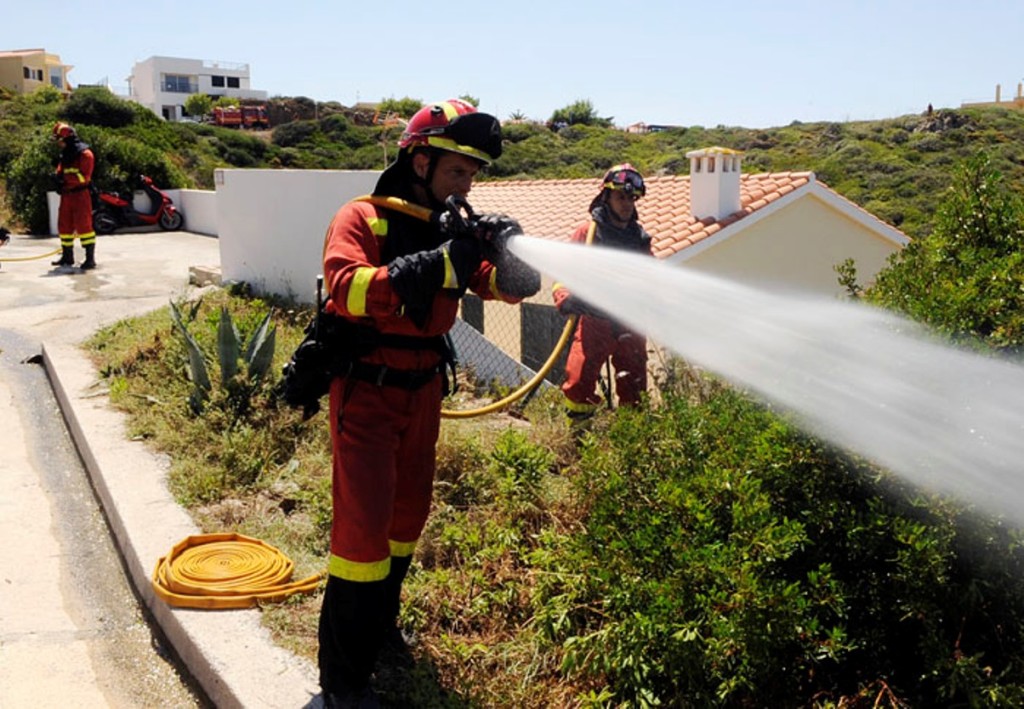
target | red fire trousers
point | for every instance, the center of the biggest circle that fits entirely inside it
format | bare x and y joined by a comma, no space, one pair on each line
596,340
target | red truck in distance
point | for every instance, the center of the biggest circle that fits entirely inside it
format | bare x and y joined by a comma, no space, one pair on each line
245,117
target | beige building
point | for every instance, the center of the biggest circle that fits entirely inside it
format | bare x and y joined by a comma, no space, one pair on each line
1016,102
25,70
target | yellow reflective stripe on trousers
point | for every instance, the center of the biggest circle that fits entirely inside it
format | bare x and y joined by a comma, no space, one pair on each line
357,289
402,548
358,570
579,408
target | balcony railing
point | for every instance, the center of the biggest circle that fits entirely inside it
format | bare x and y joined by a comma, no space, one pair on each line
181,87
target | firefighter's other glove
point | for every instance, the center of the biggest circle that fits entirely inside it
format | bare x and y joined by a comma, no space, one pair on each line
58,184
418,277
462,259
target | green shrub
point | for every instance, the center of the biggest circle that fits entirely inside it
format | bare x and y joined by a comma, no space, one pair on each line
97,106
289,135
728,560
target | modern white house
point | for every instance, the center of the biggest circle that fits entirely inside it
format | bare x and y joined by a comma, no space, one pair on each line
162,84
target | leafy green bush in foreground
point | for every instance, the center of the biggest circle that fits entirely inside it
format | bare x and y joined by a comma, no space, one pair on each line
729,560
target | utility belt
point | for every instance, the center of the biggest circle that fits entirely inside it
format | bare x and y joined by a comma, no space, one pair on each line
335,347
383,376
76,188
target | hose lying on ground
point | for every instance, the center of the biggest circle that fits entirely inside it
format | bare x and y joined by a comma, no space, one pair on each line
30,258
227,570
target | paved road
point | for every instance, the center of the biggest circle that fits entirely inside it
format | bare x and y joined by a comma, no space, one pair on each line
72,632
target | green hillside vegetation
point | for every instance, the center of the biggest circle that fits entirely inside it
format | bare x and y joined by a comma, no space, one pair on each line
695,552
897,168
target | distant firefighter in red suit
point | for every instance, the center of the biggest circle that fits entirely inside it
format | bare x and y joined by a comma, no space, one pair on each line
614,223
74,178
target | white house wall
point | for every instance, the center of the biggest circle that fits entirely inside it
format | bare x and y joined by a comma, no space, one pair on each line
797,247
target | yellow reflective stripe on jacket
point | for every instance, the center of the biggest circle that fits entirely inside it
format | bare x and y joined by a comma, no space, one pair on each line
402,548
451,280
75,171
358,288
492,283
378,225
358,570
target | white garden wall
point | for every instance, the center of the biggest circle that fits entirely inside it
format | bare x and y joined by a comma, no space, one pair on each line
271,224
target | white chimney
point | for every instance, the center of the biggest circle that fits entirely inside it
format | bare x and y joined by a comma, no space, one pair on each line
714,182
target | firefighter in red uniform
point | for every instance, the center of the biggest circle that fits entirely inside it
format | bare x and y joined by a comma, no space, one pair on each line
400,279
74,178
614,223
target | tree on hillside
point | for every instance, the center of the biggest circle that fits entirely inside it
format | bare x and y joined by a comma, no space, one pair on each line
403,107
97,106
581,112
198,105
225,102
967,277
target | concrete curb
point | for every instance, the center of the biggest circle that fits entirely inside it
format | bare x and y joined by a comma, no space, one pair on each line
229,654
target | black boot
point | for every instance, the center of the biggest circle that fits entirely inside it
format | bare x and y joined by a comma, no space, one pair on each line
90,261
351,626
397,643
67,257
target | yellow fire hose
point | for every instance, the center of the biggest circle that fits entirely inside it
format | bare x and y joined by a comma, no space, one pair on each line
30,258
227,570
415,210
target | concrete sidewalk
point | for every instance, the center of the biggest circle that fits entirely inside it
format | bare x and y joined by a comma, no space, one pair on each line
229,654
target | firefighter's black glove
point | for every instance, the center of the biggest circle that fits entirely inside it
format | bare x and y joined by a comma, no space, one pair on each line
495,230
513,277
418,277
58,184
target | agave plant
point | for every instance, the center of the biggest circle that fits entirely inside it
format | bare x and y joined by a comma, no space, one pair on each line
258,355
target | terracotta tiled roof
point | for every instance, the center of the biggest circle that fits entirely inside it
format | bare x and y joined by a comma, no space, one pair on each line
553,208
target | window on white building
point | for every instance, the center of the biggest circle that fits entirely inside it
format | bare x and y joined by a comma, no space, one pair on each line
178,84
217,81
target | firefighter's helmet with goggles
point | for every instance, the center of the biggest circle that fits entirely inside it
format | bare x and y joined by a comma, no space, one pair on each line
624,177
62,130
455,126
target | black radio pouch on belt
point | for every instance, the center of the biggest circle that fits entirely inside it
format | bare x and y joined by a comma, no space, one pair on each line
306,378
333,346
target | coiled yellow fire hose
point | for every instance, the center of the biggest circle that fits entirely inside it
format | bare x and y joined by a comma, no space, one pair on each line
419,212
226,570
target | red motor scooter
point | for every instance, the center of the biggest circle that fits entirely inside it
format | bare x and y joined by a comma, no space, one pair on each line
112,211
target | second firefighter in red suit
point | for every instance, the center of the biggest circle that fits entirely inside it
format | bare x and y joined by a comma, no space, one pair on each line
598,337
403,277
74,179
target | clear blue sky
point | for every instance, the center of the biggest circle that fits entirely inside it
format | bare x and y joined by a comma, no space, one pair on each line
740,63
